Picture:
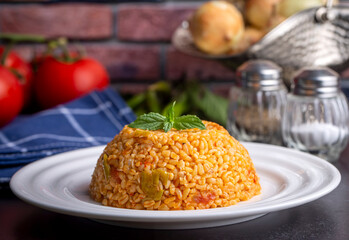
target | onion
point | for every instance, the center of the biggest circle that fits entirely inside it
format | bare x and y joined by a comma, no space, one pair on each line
250,37
216,27
259,12
287,8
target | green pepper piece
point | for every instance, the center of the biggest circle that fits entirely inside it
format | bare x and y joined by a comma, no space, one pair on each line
146,182
163,176
157,195
106,167
150,183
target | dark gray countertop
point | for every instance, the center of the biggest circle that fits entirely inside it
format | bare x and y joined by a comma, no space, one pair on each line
325,218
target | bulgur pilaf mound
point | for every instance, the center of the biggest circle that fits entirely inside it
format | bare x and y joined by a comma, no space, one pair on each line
178,170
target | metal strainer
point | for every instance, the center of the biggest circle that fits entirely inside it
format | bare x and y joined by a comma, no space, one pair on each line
313,37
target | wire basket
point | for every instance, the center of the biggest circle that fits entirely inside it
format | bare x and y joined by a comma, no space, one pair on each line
313,37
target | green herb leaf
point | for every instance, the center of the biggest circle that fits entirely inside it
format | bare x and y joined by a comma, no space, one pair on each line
168,126
155,121
180,107
170,115
149,121
187,122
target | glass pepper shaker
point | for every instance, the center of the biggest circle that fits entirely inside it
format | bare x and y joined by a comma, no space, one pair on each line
256,108
316,116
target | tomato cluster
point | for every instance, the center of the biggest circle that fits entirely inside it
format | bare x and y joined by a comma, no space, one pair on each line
53,81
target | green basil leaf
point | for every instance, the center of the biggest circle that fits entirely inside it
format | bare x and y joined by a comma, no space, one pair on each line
187,122
170,115
168,126
149,121
180,107
156,121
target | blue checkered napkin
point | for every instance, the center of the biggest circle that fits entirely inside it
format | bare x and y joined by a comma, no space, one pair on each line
88,121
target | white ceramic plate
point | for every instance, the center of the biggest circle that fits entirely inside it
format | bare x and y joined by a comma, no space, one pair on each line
289,178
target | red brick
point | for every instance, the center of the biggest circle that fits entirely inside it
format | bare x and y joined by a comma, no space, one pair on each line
128,62
132,88
76,21
180,65
123,62
150,22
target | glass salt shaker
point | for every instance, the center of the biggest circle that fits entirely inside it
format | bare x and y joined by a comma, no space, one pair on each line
256,108
316,116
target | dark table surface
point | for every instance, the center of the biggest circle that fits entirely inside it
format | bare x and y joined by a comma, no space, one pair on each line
325,218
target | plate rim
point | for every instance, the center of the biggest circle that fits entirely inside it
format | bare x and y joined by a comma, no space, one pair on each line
161,216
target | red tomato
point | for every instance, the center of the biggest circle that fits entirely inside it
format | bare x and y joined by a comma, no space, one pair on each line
24,71
37,60
58,82
11,96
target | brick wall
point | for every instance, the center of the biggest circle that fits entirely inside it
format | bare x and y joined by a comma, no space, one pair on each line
132,40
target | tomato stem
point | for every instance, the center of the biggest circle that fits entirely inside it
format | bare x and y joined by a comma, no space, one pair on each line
51,45
15,38
19,76
62,44
5,53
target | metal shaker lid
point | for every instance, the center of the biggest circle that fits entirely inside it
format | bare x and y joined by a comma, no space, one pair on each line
262,74
316,82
